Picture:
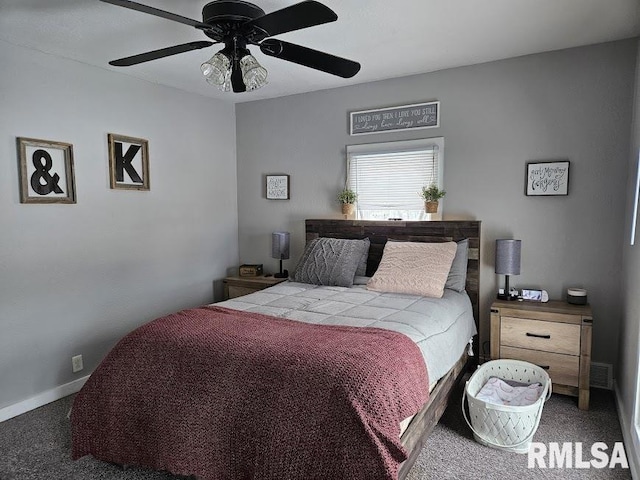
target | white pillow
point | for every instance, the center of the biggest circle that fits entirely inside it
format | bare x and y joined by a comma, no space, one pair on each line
416,268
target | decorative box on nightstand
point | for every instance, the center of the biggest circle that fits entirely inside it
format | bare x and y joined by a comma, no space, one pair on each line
554,335
238,286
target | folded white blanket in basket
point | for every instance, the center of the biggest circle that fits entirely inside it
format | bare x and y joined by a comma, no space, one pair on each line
499,392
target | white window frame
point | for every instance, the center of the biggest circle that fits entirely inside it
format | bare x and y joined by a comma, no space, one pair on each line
399,146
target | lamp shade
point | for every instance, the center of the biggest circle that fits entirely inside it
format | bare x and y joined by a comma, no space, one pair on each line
280,245
217,69
508,257
254,75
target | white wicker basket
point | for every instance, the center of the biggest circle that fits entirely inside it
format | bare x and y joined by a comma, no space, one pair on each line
505,427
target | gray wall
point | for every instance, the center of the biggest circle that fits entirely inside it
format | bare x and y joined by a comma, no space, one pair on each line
75,278
572,104
629,356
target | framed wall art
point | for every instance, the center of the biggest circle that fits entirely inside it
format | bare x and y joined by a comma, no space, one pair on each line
46,171
128,162
392,119
547,178
277,187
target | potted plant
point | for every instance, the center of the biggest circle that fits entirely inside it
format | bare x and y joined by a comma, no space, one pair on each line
347,198
431,195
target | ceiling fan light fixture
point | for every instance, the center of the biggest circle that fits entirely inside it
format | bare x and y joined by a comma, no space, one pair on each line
254,75
238,23
217,70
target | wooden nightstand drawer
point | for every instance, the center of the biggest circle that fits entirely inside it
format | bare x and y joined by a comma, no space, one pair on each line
239,286
563,369
526,310
540,335
240,291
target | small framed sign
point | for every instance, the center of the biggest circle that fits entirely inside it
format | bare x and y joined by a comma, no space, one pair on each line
278,187
128,162
46,171
547,178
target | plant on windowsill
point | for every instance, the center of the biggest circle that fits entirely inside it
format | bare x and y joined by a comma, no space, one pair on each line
347,198
431,195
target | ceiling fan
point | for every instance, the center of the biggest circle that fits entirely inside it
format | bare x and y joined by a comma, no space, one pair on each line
238,23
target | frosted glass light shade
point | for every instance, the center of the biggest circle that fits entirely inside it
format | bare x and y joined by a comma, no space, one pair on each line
253,74
217,71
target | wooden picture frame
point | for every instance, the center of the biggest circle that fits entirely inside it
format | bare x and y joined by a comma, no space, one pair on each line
277,187
128,162
46,171
547,178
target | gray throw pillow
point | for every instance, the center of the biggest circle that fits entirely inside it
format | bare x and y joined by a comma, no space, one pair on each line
361,271
331,261
457,278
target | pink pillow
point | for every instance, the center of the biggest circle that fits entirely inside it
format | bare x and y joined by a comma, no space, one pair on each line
416,268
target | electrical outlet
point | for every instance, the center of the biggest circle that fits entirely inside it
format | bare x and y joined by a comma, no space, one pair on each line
76,363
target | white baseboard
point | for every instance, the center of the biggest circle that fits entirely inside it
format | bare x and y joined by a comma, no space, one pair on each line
629,435
42,399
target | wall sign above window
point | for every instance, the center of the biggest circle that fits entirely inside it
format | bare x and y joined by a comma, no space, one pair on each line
128,162
391,119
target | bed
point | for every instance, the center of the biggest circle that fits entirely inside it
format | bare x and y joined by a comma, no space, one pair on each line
145,406
415,436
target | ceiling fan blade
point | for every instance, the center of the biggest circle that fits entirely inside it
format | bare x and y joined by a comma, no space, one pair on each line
301,15
310,58
155,54
158,13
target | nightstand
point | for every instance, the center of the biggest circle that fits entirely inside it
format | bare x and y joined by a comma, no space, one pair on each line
554,335
238,286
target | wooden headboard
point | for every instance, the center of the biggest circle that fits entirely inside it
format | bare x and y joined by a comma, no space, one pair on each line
432,231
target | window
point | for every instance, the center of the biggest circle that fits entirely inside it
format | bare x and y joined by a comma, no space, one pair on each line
388,177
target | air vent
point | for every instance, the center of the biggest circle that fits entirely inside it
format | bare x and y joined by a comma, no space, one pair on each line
601,375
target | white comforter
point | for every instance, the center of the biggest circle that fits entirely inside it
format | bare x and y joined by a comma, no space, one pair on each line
441,327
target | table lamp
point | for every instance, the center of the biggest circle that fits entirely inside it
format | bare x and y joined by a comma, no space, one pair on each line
280,249
507,262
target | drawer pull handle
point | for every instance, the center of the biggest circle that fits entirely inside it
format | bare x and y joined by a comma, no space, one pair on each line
537,336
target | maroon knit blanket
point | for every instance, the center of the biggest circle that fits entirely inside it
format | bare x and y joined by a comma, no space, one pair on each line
229,395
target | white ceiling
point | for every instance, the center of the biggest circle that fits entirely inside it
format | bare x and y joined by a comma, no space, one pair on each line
390,38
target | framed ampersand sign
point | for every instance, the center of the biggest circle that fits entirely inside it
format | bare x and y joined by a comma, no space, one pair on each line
46,171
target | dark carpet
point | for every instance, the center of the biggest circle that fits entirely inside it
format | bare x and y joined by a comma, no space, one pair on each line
36,446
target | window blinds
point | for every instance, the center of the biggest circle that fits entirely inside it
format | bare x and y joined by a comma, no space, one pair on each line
394,180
